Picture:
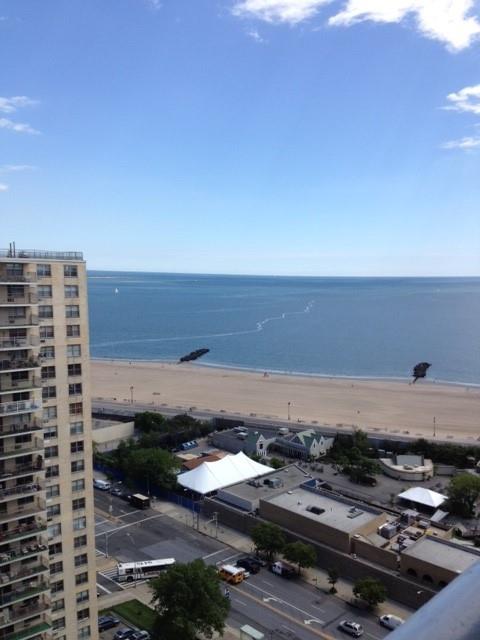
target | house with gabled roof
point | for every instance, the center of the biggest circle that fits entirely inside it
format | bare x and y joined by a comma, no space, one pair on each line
304,444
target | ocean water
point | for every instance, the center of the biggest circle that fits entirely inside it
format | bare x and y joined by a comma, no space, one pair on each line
360,327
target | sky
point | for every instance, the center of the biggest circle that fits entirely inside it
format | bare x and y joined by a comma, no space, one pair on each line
299,137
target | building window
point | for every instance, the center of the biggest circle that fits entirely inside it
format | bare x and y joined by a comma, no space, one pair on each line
47,353
58,624
81,560
81,578
79,523
77,447
72,311
46,332
82,596
75,369
58,605
76,428
54,549
77,465
49,392
54,530
70,270
56,587
73,330
53,491
49,413
71,291
50,432
44,291
48,372
44,270
80,541
56,567
52,471
45,311
75,408
51,452
78,503
75,389
52,511
84,614
74,351
78,485
84,633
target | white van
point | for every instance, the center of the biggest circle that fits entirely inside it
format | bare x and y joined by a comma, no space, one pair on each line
103,485
389,621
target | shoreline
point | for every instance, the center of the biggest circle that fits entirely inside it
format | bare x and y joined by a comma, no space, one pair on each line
296,374
379,405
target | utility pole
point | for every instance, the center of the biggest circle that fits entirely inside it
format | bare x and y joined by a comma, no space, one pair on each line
434,427
288,410
131,393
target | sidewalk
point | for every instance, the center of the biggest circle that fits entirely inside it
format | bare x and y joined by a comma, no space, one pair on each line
241,542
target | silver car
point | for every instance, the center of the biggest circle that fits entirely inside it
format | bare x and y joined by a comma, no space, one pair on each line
351,628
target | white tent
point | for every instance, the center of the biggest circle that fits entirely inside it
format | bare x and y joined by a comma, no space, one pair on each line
211,476
423,496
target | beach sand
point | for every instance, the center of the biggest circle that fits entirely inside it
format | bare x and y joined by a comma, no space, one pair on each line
373,405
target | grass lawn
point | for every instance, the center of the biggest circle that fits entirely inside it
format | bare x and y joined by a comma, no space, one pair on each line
135,612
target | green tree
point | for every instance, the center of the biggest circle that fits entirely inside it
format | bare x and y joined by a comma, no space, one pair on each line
276,463
188,601
370,590
463,492
149,421
153,466
333,576
301,554
268,538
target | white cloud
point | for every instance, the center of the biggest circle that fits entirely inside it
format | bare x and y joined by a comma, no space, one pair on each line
449,21
468,142
10,105
13,168
18,127
3,187
155,4
254,35
289,11
467,100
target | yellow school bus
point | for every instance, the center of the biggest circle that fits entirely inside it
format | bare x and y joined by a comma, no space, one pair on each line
231,574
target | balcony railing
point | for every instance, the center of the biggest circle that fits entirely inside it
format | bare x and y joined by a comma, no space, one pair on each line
26,633
18,321
14,364
22,553
26,278
40,254
23,299
19,385
7,430
24,512
23,449
6,578
22,406
23,592
22,469
18,343
23,531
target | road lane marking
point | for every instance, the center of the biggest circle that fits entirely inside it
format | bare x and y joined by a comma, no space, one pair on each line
312,620
270,584
99,586
130,524
212,554
117,584
307,614
235,555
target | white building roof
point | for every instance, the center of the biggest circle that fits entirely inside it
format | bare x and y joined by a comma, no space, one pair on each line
427,497
211,476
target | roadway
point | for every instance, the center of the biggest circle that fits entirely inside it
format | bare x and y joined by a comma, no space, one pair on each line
282,609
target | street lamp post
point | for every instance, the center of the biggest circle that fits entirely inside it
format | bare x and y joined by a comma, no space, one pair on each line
131,393
288,410
434,427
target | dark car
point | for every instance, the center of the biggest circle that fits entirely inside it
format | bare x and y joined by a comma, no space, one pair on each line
125,495
107,622
124,634
249,564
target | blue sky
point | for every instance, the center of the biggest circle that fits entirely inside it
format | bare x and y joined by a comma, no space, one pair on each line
309,137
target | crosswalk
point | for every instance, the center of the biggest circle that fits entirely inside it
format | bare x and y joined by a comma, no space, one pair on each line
111,574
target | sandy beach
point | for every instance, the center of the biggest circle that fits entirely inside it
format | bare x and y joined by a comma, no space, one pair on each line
374,405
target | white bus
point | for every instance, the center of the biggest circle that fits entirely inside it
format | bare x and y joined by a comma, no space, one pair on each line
144,570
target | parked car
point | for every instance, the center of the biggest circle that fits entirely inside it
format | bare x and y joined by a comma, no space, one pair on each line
351,628
249,565
107,622
125,495
116,490
124,634
389,621
140,635
103,485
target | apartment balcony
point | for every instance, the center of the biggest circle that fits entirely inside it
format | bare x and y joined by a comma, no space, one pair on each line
9,365
22,428
35,445
10,277
10,321
21,490
31,509
40,254
24,299
34,632
30,571
19,407
21,553
11,344
14,386
24,530
27,589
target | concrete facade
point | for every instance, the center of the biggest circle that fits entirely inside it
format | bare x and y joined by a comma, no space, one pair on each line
108,434
47,543
407,467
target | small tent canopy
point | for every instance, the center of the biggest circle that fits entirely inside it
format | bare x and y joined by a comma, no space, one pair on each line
425,497
211,476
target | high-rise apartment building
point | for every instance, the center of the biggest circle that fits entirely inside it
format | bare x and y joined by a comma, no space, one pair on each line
47,545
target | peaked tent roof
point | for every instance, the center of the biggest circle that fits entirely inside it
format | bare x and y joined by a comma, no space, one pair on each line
211,476
424,496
